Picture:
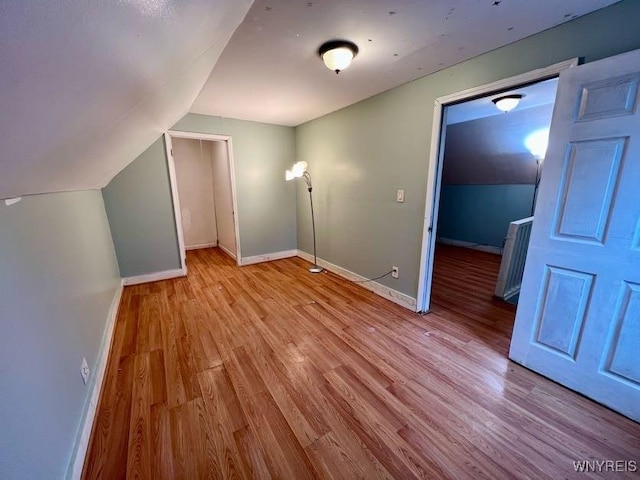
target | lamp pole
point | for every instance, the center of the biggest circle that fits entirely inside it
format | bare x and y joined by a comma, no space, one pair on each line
315,268
535,188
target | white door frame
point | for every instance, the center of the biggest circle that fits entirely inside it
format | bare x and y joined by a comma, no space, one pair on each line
174,185
436,155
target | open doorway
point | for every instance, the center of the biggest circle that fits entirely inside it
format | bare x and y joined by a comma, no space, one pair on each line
489,180
204,195
472,196
491,169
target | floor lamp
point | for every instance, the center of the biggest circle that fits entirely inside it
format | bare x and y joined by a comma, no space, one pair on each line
299,170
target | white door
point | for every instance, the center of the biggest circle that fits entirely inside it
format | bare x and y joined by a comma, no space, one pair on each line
223,197
194,177
578,318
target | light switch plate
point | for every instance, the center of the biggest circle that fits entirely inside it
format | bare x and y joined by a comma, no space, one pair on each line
400,196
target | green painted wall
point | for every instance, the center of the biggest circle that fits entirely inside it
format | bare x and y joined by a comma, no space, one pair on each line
360,155
140,209
59,277
266,203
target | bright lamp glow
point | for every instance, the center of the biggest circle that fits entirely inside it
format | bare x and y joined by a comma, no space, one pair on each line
337,54
507,103
537,143
296,171
299,168
338,58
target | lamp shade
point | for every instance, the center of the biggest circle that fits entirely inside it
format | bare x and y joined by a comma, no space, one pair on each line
537,143
299,168
337,54
296,171
507,102
338,58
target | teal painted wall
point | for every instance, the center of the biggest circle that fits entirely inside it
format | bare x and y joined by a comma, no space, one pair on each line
266,203
140,209
481,213
361,154
59,277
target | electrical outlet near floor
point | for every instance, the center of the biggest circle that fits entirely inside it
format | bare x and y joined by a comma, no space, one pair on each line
395,272
84,371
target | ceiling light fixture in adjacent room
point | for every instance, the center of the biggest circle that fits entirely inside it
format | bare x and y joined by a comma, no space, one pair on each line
507,103
337,54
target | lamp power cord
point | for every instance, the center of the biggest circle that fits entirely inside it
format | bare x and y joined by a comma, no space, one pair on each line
372,279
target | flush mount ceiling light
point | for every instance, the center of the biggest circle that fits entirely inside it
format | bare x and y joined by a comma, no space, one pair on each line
507,102
337,54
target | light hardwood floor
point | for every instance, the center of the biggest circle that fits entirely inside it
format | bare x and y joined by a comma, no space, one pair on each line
268,371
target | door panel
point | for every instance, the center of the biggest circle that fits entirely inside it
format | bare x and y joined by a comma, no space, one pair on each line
624,345
608,98
589,178
567,292
578,319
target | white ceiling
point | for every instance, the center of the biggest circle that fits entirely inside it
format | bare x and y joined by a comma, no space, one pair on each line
270,70
88,86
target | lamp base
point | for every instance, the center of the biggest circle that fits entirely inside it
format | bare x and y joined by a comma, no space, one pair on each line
316,269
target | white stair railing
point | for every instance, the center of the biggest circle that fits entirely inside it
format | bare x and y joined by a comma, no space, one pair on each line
513,258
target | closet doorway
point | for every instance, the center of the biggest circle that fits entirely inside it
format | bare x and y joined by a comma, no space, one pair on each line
203,186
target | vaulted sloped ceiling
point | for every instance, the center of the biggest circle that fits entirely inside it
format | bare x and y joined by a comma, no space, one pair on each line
485,146
86,86
492,150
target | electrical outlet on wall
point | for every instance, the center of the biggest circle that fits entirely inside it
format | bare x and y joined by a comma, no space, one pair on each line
395,272
84,371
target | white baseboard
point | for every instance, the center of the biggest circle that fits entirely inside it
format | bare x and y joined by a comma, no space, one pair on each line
395,296
74,471
471,245
201,245
154,277
267,257
227,251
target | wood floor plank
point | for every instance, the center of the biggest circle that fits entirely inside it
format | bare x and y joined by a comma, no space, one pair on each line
219,408
285,456
251,454
268,371
110,435
139,449
303,425
365,400
161,449
217,386
387,446
352,444
335,460
176,392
